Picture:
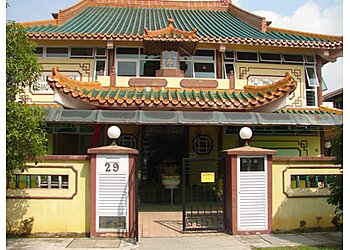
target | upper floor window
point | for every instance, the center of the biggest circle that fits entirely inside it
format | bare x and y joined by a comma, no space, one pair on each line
39,51
81,52
132,62
270,57
204,64
292,58
311,86
246,56
57,52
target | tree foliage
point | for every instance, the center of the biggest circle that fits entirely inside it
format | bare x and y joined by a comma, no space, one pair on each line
22,66
26,138
336,188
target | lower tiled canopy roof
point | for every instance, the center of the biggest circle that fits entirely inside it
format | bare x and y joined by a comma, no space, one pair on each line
172,99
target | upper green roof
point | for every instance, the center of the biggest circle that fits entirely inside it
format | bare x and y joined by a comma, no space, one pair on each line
132,21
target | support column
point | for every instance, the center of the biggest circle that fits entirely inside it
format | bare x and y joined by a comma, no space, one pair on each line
113,192
246,165
319,77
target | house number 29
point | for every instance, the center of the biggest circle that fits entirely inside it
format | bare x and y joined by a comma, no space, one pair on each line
111,166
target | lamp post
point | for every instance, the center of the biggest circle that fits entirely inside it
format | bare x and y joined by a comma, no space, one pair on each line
246,134
113,133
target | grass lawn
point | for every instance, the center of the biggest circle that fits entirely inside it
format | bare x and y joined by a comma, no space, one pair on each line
303,248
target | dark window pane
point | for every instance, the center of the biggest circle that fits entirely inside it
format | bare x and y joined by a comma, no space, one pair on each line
228,68
56,52
252,164
204,55
127,52
247,56
270,57
39,51
126,69
100,51
83,52
204,70
293,58
148,68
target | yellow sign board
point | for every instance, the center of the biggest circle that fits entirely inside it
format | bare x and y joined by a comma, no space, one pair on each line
207,177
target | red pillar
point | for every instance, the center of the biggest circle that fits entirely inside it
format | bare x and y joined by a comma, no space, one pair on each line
231,159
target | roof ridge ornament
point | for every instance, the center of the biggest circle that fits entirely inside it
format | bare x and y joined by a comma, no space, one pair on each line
170,31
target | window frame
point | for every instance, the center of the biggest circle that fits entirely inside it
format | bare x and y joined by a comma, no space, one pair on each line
96,74
293,62
82,56
196,60
246,60
50,47
268,60
308,77
137,60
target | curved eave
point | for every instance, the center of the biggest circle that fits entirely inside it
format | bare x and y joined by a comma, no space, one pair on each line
200,39
263,98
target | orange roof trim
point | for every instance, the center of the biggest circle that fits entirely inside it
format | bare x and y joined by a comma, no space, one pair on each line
166,98
170,32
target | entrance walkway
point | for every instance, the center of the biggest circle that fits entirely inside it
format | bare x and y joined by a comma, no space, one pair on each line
236,242
156,224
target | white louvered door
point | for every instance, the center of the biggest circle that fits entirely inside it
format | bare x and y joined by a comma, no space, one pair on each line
252,193
112,173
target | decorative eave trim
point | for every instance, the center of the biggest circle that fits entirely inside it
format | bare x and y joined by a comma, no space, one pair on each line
94,94
313,110
201,39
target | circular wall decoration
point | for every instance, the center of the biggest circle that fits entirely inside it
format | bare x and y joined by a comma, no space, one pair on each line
203,144
128,141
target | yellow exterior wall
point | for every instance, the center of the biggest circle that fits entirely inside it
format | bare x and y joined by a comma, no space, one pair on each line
68,214
288,212
285,145
247,71
81,68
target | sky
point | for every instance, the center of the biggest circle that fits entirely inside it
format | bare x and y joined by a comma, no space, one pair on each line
318,16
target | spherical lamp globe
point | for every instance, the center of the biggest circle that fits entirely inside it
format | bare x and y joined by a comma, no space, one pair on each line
245,133
113,132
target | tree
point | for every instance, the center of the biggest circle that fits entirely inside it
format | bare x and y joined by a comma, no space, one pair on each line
336,188
26,138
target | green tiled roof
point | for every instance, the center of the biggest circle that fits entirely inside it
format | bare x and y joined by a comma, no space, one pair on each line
132,21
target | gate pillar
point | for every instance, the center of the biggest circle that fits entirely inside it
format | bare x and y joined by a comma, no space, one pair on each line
113,191
248,193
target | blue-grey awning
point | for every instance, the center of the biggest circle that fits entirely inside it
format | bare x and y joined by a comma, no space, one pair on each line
145,117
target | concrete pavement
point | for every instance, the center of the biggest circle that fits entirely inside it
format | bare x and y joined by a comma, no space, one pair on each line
237,242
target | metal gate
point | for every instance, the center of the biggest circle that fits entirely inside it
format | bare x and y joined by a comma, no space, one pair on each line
203,187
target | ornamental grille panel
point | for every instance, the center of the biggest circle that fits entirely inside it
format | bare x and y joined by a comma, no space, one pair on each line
203,194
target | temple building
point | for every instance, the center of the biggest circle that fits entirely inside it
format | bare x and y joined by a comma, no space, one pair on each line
180,79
